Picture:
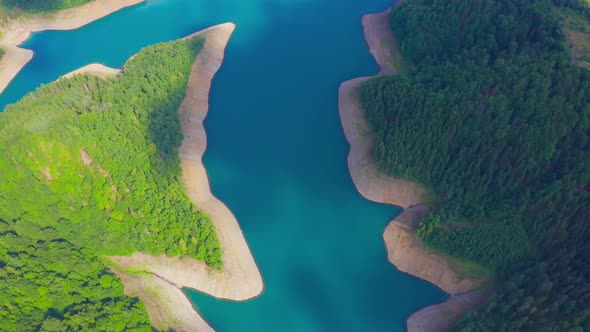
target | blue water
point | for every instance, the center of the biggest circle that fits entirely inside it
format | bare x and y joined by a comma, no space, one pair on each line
276,155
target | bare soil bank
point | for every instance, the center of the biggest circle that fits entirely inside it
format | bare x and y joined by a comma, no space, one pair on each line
405,250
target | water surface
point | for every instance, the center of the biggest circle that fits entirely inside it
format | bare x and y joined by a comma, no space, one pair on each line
276,155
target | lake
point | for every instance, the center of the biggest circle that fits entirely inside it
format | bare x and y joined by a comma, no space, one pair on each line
276,154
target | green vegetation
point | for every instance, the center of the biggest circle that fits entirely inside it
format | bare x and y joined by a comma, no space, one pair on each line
576,27
90,168
35,6
463,267
552,295
55,286
495,116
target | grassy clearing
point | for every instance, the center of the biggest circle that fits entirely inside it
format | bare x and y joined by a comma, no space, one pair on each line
430,197
397,61
468,269
136,271
10,12
576,29
6,13
465,269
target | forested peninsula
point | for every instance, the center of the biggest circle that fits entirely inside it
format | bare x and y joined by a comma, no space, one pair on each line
492,116
90,168
158,280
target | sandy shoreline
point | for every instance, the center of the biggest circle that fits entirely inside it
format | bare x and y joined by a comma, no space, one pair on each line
439,317
96,69
12,62
18,30
240,278
404,248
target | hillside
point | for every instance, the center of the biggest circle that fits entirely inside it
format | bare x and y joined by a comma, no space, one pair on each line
89,168
493,117
575,22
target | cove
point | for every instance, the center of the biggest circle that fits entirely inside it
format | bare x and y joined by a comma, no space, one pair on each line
276,154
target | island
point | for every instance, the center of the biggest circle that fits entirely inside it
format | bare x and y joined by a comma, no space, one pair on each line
109,198
477,125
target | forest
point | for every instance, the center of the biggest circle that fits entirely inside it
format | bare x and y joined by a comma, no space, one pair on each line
89,168
494,117
56,286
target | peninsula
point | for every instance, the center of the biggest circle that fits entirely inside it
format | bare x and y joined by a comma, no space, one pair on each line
160,227
239,279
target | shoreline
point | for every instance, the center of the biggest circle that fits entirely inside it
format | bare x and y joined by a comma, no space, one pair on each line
18,30
440,317
160,282
404,249
96,69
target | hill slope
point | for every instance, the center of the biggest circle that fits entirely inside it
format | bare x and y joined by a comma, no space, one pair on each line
90,168
494,117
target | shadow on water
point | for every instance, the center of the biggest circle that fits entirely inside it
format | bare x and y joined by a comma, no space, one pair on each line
276,154
311,293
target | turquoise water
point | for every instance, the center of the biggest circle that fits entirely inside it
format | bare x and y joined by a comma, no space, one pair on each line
276,156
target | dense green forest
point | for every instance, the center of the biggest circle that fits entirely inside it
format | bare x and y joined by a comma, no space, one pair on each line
550,295
52,285
89,168
494,117
42,5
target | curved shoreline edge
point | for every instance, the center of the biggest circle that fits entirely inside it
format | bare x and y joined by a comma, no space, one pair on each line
158,280
96,69
404,249
18,30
